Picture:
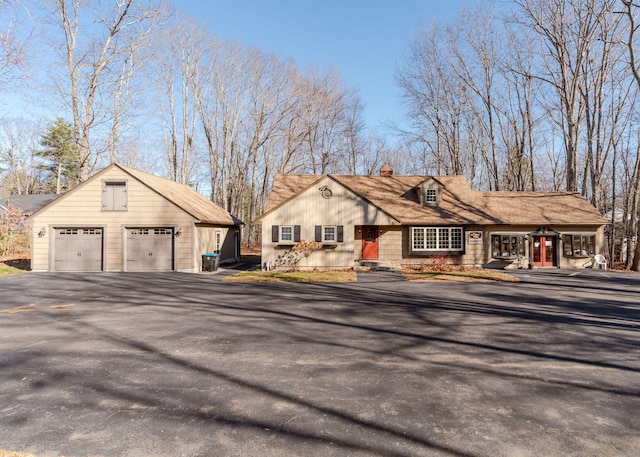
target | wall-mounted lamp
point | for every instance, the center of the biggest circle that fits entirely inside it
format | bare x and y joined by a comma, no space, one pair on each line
42,232
179,231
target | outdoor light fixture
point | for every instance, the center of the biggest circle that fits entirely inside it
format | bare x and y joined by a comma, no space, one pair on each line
42,232
179,231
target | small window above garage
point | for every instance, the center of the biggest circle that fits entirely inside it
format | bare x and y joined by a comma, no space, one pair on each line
114,196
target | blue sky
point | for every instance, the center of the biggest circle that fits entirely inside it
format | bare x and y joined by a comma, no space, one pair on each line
362,39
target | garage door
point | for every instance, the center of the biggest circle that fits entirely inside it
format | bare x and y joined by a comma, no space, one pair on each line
78,249
149,249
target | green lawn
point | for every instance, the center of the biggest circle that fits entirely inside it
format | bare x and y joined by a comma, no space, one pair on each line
293,276
6,270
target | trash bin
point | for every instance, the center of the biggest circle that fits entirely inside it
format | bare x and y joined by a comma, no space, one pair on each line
209,262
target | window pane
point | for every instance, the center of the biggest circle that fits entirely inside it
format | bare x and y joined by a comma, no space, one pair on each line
329,233
443,238
430,238
592,245
431,196
495,242
513,251
418,239
568,243
286,233
521,246
576,244
456,238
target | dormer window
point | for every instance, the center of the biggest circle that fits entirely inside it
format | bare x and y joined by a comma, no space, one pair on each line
428,192
430,196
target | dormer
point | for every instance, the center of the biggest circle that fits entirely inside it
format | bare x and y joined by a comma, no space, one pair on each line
429,192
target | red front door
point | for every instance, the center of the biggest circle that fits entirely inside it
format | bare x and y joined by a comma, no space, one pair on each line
370,242
543,251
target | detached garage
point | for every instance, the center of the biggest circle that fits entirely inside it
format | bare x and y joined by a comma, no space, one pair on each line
122,219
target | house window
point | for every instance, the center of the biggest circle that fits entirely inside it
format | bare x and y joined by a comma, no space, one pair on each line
436,239
329,234
507,246
431,196
218,244
114,196
579,245
285,234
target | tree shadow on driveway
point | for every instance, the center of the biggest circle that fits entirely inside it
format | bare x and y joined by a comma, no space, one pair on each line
157,364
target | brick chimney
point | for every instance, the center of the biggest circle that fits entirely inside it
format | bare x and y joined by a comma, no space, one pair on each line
386,170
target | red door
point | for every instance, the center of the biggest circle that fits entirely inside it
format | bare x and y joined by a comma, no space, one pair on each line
543,251
370,242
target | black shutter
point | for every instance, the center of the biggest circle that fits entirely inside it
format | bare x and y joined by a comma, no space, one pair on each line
275,233
340,230
296,233
319,233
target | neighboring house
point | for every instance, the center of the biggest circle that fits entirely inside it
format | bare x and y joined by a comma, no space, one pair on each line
27,204
123,219
390,221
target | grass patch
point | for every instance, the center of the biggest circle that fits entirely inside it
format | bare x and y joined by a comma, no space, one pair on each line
293,276
6,269
463,275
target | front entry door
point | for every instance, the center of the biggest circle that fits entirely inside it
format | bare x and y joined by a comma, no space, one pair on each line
543,251
370,242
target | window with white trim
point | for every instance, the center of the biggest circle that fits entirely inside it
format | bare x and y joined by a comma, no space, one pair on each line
436,239
286,233
431,196
328,233
218,243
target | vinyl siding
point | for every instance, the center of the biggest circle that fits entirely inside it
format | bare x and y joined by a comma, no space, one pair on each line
310,209
82,208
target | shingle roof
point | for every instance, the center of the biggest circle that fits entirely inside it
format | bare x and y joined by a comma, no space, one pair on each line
185,197
27,203
458,203
181,195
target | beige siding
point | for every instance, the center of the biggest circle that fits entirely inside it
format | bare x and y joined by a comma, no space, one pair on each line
206,243
82,208
309,209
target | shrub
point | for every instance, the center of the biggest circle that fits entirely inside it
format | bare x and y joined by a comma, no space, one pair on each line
14,233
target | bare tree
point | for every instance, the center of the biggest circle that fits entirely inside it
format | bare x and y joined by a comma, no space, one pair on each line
15,36
19,142
630,12
95,38
567,30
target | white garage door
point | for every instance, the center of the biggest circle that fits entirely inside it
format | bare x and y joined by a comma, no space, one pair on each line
149,249
78,249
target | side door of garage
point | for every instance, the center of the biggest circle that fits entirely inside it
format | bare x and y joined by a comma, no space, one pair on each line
150,249
78,249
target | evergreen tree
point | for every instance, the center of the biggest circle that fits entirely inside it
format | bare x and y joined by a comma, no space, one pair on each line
61,153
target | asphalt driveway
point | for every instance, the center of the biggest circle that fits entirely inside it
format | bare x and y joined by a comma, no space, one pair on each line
185,365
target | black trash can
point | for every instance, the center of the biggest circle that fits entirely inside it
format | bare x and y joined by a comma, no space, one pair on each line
209,262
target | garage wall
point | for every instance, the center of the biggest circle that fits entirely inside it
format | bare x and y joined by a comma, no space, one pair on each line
205,243
82,207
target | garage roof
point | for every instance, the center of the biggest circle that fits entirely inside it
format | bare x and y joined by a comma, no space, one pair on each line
202,209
